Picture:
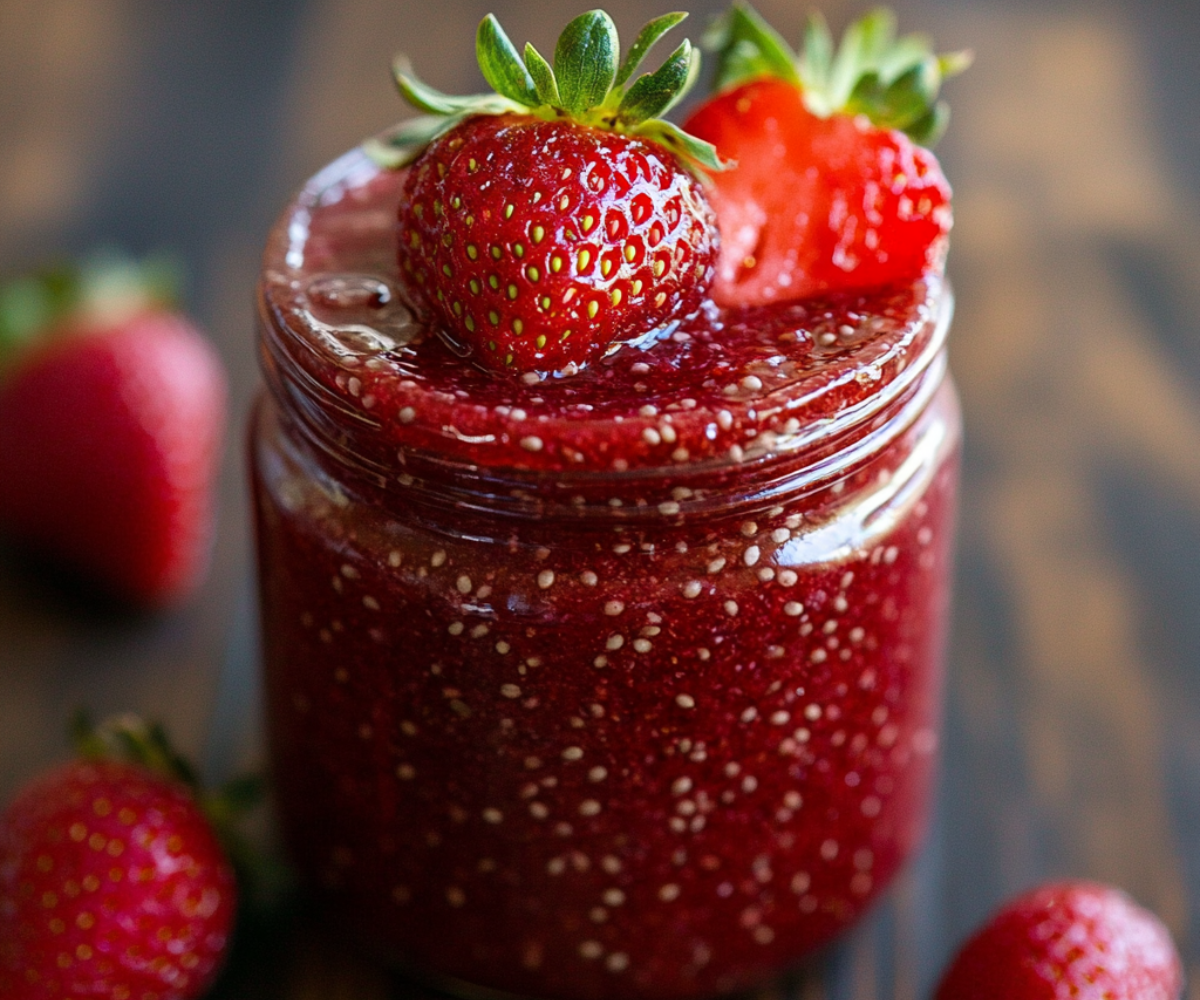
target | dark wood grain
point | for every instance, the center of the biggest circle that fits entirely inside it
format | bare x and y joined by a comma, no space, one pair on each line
1071,741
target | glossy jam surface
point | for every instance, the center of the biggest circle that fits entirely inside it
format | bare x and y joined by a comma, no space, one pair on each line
724,387
623,685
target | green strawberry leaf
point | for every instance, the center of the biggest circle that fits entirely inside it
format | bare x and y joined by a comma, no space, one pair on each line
905,53
424,97
854,56
113,286
584,84
585,61
892,80
910,96
543,76
131,739
653,93
399,146
897,105
748,47
817,50
929,128
693,74
107,287
651,33
687,146
32,303
952,63
909,103
501,66
244,792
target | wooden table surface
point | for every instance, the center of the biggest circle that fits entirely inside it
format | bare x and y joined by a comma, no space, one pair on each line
1072,727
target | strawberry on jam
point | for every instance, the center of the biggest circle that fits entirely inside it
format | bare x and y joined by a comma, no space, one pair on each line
612,240
553,219
831,187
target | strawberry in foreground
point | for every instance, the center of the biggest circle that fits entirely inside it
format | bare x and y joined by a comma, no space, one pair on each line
111,415
831,189
1067,940
112,882
546,222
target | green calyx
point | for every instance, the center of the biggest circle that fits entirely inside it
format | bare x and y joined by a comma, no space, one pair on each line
588,83
131,740
892,80
106,288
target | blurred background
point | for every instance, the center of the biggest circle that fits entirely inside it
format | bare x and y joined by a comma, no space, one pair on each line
1072,739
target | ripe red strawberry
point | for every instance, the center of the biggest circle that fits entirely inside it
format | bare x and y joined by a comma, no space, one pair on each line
112,885
542,226
1067,940
111,416
829,191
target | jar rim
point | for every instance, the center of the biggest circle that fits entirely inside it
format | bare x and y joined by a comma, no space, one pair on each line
314,369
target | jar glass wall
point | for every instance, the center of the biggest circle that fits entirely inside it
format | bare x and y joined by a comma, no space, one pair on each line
616,727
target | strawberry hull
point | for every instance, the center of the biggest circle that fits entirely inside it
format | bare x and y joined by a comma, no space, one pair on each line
624,685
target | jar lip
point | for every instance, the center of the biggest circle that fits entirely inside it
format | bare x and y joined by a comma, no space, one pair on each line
388,389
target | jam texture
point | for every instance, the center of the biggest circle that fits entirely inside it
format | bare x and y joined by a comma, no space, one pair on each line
569,699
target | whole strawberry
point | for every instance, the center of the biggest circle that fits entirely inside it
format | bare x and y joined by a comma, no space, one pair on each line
111,415
1067,940
545,223
831,189
112,885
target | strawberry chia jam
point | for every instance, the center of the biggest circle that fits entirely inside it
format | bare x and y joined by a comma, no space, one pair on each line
618,685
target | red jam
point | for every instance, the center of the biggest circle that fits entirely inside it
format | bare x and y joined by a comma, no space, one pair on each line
618,685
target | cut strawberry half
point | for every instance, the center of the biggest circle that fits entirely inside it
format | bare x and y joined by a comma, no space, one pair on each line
831,189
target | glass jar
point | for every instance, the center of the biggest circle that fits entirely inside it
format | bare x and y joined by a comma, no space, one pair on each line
624,686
